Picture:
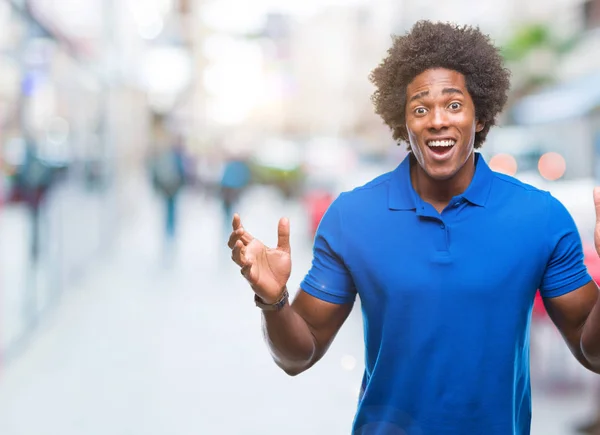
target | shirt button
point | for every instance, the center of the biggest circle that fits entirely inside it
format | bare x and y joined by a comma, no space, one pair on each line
442,226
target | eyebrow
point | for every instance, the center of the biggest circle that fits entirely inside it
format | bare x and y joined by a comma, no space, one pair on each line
445,91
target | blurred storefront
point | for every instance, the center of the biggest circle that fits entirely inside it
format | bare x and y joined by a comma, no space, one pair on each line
553,106
566,119
74,127
564,115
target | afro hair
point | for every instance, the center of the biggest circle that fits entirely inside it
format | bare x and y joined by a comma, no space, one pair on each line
428,45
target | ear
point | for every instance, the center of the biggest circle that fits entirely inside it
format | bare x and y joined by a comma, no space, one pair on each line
479,126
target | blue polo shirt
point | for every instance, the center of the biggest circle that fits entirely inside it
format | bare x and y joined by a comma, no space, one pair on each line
446,298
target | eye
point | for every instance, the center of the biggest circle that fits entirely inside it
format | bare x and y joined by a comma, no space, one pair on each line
455,106
420,111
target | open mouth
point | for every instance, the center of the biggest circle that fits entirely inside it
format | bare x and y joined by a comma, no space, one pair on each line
441,147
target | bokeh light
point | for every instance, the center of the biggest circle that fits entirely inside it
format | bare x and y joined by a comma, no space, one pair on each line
504,163
552,166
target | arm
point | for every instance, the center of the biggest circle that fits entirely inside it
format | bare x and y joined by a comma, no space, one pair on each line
576,314
577,317
299,334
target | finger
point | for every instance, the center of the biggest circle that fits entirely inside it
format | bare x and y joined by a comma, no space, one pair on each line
236,222
234,237
238,254
597,202
246,237
239,234
283,235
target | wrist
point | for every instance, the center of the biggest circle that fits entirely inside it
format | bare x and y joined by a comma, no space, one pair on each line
275,305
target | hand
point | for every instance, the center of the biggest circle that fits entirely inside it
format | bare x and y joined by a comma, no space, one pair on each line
266,269
597,229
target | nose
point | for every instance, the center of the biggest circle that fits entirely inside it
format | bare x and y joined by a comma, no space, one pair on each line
438,119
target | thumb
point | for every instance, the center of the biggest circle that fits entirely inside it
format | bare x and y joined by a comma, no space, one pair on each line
597,203
283,235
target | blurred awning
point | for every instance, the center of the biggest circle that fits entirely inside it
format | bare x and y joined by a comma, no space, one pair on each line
566,101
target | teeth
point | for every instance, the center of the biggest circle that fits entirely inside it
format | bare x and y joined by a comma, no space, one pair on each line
441,143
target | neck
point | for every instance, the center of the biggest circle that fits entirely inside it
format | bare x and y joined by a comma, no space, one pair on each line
440,192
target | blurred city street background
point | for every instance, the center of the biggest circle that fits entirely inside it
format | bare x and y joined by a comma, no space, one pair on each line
131,130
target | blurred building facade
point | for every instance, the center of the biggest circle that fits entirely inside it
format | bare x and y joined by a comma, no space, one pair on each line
84,80
72,97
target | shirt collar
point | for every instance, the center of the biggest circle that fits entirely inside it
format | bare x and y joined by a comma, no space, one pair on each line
402,196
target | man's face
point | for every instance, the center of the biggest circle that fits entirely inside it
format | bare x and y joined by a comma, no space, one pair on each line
440,120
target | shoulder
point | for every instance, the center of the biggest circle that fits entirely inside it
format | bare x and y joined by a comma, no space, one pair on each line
514,185
537,197
375,190
531,205
509,191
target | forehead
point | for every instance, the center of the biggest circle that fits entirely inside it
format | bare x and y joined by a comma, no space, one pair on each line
436,78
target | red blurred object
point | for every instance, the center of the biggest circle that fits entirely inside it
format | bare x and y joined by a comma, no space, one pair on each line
591,260
317,202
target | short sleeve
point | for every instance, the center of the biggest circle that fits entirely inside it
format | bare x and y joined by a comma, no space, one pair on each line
328,278
565,270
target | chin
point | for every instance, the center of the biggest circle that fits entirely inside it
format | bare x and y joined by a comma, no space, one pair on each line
441,174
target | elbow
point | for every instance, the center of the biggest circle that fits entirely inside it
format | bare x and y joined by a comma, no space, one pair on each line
293,368
592,365
591,354
293,372
297,363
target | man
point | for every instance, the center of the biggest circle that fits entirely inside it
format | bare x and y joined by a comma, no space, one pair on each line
445,255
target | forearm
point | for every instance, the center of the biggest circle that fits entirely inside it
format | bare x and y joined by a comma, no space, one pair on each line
290,340
590,338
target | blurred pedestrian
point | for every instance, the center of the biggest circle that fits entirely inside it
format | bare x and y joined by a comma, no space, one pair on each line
33,180
169,177
234,181
445,254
